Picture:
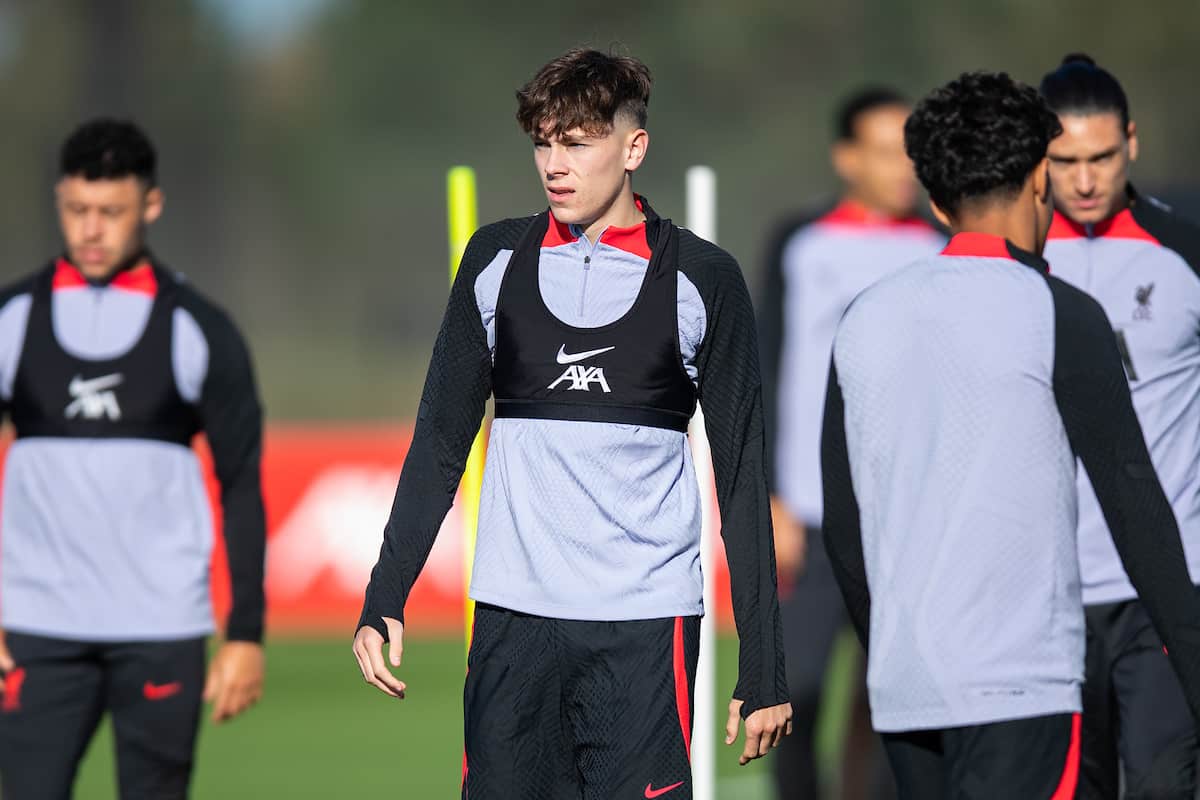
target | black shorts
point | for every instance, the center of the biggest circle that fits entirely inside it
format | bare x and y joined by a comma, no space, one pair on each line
1030,759
54,699
563,709
1135,716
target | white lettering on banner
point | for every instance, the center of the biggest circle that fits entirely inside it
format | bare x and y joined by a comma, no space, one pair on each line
337,527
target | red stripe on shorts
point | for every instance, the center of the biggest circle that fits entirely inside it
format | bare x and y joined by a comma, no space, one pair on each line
681,688
1070,776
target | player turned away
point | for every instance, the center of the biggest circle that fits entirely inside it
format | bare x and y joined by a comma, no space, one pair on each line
596,326
961,392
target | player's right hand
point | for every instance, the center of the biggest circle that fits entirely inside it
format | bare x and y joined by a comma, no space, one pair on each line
368,649
7,664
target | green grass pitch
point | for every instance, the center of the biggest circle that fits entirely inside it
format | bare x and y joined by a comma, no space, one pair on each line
320,732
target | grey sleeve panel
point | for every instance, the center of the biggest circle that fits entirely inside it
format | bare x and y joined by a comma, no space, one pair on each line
841,525
232,418
189,355
693,322
14,319
1093,398
453,401
730,393
487,293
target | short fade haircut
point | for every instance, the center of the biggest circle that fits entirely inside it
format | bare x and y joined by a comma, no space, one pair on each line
109,149
584,89
864,101
1079,86
978,137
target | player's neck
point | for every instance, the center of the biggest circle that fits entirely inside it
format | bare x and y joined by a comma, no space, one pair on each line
868,209
1011,223
623,213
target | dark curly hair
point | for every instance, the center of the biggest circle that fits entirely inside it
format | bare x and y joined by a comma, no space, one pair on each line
978,137
108,148
1078,86
585,89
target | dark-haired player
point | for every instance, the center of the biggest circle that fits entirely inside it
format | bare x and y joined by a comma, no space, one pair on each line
109,365
1141,262
596,325
816,265
961,392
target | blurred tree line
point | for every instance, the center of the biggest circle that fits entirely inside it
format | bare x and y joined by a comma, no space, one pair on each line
305,172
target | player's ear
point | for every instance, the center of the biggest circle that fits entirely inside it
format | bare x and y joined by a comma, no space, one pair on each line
844,158
636,145
152,209
1041,180
940,215
1132,137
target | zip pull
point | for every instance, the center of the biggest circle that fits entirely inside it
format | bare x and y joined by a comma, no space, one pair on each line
587,268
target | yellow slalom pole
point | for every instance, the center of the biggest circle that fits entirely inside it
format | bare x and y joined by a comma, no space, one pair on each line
462,212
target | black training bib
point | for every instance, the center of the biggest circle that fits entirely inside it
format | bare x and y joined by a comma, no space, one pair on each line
132,396
629,371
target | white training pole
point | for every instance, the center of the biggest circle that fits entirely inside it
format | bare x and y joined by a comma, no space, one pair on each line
702,221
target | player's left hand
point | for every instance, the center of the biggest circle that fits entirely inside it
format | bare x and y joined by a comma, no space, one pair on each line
765,729
235,679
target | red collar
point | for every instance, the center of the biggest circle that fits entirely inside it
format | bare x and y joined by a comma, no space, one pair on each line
857,215
139,279
631,239
1121,225
978,245
984,245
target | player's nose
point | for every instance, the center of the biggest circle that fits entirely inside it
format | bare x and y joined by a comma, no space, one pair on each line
1085,181
93,226
555,161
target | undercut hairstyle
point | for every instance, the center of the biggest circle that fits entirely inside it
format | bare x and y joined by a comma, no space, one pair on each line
584,89
1079,86
109,149
978,138
862,102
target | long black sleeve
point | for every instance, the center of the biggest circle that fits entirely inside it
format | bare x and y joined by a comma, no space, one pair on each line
232,419
841,525
771,322
453,403
1093,398
731,396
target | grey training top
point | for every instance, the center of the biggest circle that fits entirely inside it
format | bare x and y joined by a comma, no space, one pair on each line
1141,266
961,391
110,539
816,266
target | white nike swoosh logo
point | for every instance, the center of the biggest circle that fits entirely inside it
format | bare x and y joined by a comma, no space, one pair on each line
563,358
79,386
